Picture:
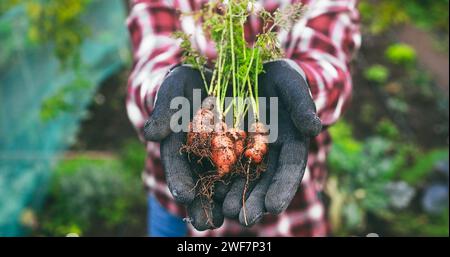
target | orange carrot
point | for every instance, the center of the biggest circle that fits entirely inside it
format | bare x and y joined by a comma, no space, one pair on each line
257,143
203,121
238,136
200,132
222,150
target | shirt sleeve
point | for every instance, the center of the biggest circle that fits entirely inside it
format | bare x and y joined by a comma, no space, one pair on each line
323,44
151,24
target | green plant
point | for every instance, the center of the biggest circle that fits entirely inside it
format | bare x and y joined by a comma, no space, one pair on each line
58,22
377,73
237,63
425,162
64,99
360,172
411,223
401,54
381,15
387,14
388,129
133,156
93,196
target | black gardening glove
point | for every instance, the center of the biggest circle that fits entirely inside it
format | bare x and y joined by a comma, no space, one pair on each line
179,171
287,157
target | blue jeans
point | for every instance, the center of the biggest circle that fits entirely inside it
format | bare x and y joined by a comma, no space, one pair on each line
161,223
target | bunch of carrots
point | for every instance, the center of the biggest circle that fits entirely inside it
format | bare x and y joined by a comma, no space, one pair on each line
229,148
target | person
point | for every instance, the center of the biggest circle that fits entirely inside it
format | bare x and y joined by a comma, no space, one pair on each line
313,81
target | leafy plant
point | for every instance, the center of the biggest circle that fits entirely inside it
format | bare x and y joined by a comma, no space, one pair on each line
425,162
64,99
58,22
388,129
410,223
95,196
381,15
387,15
360,172
401,54
132,156
377,73
238,63
371,177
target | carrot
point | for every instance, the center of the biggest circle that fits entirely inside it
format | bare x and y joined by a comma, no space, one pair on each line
223,155
190,135
238,136
257,143
203,121
222,150
200,132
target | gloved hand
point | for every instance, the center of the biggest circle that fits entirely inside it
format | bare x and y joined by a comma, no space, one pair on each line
287,157
180,174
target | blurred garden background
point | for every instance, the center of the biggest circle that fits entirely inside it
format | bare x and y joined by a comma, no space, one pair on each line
70,162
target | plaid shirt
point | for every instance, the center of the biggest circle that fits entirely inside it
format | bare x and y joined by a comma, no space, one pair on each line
322,44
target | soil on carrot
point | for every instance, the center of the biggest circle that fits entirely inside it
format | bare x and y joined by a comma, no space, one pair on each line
223,152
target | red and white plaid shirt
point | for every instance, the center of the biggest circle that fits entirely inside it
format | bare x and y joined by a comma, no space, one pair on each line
322,44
